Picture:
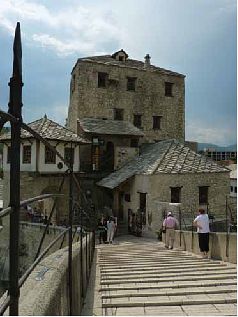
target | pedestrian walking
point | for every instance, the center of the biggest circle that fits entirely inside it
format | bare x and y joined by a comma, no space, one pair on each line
202,224
169,225
110,230
101,230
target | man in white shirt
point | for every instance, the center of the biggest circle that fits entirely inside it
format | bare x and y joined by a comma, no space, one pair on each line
202,224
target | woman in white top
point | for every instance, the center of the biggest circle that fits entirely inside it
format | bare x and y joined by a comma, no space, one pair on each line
202,224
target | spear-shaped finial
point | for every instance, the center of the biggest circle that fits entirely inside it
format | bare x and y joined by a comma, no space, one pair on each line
17,52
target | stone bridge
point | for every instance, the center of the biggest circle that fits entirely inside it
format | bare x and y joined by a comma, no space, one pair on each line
138,276
134,276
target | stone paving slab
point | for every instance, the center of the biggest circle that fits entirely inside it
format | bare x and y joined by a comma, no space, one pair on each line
139,277
170,292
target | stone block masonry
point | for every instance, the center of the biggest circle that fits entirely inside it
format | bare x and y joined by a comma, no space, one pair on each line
148,99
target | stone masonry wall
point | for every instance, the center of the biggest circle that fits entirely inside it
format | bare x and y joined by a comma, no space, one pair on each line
148,99
157,187
33,184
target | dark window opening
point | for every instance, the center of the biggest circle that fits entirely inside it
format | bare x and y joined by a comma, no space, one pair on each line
26,157
134,142
137,120
157,122
102,80
131,83
50,156
69,154
232,189
121,58
118,114
127,197
168,89
235,189
8,154
203,195
175,194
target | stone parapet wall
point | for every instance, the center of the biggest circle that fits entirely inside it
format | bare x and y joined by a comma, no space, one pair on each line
222,246
30,236
45,292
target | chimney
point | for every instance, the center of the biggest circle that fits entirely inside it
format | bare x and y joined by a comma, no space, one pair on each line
147,61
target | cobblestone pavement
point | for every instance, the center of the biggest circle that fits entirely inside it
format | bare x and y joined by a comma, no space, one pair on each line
137,277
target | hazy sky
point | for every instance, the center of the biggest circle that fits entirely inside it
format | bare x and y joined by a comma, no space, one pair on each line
193,37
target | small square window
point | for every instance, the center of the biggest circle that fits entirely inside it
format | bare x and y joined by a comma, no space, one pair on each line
26,157
157,122
175,194
8,154
137,120
118,114
121,58
131,83
102,80
203,195
50,156
168,89
69,154
127,197
134,143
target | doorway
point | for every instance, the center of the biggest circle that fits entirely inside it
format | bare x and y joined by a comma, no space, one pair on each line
120,214
143,207
109,156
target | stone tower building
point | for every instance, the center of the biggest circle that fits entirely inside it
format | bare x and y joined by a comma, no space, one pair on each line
118,88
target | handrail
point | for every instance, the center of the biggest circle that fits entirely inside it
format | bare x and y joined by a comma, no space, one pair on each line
38,259
14,115
23,203
48,222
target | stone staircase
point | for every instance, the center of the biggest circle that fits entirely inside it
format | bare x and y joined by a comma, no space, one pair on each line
140,277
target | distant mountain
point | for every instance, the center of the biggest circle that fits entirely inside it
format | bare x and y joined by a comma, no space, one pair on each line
218,148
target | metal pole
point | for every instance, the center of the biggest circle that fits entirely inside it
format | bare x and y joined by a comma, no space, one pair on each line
180,228
81,252
227,233
86,255
70,232
15,108
192,234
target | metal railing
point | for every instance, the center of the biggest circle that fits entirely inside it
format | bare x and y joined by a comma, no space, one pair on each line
14,116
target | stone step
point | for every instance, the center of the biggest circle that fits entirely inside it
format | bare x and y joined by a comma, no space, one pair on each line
170,292
168,266
168,270
161,273
184,310
177,278
149,262
167,285
174,302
